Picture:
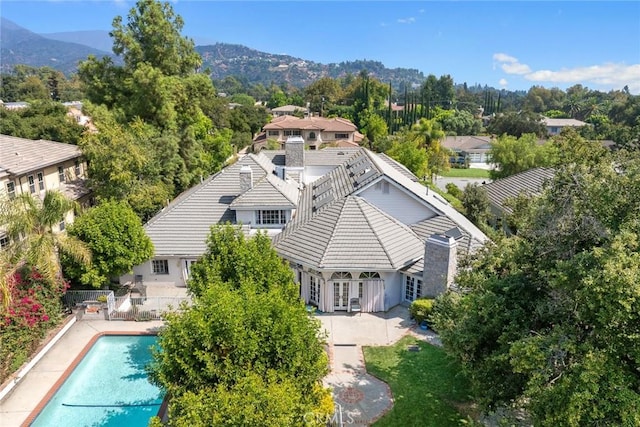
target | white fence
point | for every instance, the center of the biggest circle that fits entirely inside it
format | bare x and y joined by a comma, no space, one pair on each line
131,306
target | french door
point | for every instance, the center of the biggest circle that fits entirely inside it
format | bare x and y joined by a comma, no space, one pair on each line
340,295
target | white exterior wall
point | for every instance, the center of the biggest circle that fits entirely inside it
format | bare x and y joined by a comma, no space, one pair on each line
392,289
312,173
148,277
396,203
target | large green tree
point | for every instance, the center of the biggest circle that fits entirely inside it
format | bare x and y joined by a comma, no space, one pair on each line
513,155
550,317
517,124
246,344
158,85
114,234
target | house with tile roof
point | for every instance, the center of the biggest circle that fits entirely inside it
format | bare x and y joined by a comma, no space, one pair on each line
316,131
289,110
33,167
352,224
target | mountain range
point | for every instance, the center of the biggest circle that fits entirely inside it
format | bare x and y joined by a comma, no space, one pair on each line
63,51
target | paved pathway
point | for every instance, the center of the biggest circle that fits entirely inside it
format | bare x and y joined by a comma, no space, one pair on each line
363,398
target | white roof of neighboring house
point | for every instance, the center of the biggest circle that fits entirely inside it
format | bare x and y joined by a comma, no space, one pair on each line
561,122
289,109
20,155
468,143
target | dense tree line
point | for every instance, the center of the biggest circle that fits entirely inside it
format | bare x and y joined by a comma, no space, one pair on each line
547,319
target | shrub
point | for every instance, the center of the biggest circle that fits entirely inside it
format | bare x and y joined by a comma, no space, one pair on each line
454,190
421,309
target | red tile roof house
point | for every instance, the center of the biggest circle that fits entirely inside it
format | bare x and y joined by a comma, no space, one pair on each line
316,132
351,223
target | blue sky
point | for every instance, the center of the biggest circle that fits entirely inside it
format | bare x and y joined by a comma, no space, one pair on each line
511,44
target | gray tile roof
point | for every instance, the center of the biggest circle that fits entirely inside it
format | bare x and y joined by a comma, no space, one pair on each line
529,183
399,167
19,155
442,225
468,143
351,234
330,156
183,226
269,193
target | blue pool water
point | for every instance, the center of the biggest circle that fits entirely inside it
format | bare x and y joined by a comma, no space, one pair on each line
109,387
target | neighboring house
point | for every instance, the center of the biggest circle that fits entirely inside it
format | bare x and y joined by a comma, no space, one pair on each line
316,131
472,147
351,223
74,110
33,167
289,110
555,126
14,105
528,183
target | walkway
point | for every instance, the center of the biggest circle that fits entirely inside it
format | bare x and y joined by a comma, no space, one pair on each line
362,397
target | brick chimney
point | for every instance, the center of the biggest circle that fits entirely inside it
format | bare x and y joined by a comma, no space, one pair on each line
246,178
440,263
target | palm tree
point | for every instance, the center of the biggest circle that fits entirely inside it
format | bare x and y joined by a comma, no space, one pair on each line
427,131
29,223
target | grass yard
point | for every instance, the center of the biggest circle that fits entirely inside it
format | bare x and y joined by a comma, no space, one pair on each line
427,388
466,173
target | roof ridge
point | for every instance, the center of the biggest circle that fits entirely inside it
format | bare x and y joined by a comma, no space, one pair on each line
333,227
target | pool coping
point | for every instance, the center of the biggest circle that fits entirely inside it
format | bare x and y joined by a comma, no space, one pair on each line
56,386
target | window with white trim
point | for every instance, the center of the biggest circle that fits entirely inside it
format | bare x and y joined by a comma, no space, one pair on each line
40,181
11,190
32,184
61,174
4,241
341,136
77,169
271,217
62,225
160,266
273,133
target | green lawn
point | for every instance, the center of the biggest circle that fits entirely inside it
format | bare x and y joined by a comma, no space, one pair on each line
466,173
426,385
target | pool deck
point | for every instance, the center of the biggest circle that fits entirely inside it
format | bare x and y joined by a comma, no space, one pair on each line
16,407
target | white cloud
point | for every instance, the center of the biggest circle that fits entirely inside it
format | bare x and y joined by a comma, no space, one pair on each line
384,24
410,20
515,68
421,11
503,57
510,64
503,82
609,75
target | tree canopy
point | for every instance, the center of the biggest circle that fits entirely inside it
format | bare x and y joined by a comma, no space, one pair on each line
548,318
246,344
114,234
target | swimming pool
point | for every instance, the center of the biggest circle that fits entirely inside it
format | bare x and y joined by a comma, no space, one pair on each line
109,387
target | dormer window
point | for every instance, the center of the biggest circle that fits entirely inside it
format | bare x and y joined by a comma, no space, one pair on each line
271,217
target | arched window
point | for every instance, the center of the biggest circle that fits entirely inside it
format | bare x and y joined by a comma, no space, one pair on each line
312,135
341,275
369,275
